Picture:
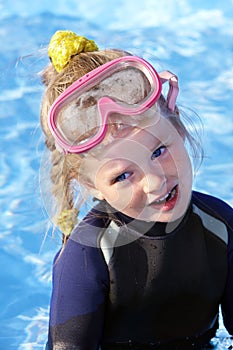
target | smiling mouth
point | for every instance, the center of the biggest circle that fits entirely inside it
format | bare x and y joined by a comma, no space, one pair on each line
169,196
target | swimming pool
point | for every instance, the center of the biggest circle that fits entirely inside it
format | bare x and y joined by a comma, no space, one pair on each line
191,38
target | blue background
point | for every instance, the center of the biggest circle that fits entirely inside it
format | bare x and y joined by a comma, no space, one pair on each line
191,38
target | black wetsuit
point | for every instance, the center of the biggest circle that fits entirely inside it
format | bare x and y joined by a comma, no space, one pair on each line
158,290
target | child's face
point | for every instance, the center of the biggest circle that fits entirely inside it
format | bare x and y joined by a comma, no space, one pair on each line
146,175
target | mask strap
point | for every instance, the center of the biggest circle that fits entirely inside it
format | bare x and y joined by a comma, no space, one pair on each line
173,88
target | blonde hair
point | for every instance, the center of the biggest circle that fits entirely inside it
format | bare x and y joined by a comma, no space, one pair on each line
65,167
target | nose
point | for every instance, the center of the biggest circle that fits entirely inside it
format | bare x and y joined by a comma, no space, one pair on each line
154,182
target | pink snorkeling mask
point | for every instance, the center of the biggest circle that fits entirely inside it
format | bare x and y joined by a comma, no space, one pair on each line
128,86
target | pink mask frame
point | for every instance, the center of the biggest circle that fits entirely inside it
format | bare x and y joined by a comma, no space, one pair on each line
107,105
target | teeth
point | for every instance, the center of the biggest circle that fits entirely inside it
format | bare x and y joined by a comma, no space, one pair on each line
163,198
170,194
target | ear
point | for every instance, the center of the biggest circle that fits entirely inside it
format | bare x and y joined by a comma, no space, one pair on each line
94,191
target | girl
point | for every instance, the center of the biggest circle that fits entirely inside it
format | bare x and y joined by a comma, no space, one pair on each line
151,262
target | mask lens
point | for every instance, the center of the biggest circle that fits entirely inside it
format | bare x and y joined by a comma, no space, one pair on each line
77,117
77,126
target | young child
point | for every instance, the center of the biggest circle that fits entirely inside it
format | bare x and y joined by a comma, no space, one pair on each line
152,261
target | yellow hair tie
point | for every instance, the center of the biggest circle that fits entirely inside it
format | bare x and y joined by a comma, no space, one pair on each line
66,220
64,44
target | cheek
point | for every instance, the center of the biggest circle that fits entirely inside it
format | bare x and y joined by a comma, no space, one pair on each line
123,197
184,174
185,169
111,194
179,161
133,201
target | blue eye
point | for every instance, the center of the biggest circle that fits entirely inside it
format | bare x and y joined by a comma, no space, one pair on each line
157,153
122,177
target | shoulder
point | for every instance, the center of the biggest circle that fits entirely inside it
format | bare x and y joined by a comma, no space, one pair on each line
81,259
216,215
91,227
84,240
213,206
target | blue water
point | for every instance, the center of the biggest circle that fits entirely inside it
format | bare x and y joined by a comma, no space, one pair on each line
192,38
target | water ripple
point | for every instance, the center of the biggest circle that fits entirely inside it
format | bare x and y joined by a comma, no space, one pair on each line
191,38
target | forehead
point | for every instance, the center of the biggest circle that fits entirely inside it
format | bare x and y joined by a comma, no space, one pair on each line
134,142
